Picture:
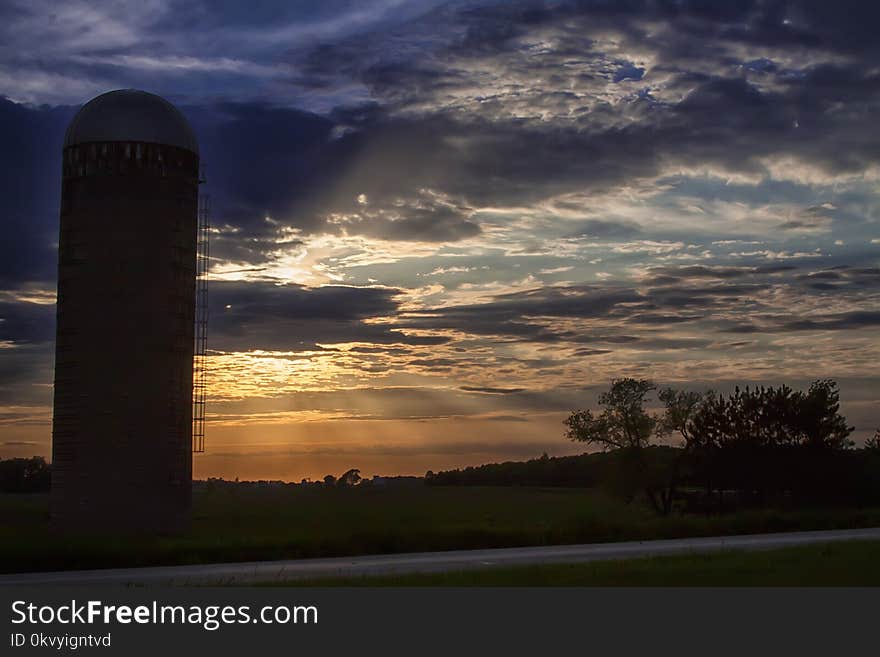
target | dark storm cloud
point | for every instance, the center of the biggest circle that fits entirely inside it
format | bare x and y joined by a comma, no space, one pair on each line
684,294
515,316
433,363
692,278
492,391
30,181
842,26
657,319
293,317
816,217
843,278
262,160
723,120
584,352
599,228
312,174
509,314
429,222
705,296
847,321
509,162
26,323
279,302
672,274
390,351
26,364
26,375
835,322
855,275
523,314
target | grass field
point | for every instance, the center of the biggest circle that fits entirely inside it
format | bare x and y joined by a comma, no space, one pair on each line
854,563
249,523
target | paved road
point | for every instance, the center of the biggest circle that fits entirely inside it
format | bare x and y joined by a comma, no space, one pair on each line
426,562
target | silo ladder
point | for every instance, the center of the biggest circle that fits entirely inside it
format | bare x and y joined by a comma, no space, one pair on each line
200,352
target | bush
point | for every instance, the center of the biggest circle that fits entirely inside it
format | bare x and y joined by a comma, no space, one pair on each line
24,475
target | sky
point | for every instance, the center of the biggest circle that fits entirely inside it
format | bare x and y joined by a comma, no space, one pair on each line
440,227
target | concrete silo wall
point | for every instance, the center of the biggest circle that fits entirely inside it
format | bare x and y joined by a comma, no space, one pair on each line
121,451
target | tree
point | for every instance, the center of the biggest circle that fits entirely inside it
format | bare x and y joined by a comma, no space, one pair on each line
873,444
681,408
818,418
680,411
349,478
24,475
772,440
329,480
623,425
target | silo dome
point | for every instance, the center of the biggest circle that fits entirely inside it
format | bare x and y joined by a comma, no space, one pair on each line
130,115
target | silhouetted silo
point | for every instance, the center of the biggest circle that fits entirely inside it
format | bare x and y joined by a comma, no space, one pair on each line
122,427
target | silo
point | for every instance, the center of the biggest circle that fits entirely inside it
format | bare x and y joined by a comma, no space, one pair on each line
122,425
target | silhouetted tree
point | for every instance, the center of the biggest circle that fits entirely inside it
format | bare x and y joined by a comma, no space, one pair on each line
769,440
24,475
680,409
329,480
623,425
818,419
349,478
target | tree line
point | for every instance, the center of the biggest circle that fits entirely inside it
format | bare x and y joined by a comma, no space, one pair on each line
756,446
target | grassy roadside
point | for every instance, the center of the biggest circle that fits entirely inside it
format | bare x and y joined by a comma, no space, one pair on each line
248,524
851,563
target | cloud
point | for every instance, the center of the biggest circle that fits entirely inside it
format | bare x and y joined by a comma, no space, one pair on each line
492,391
294,317
30,170
834,322
426,218
27,323
597,228
673,274
667,297
508,314
189,47
492,79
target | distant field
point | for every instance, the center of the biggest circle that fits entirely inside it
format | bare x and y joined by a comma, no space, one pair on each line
855,563
243,524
